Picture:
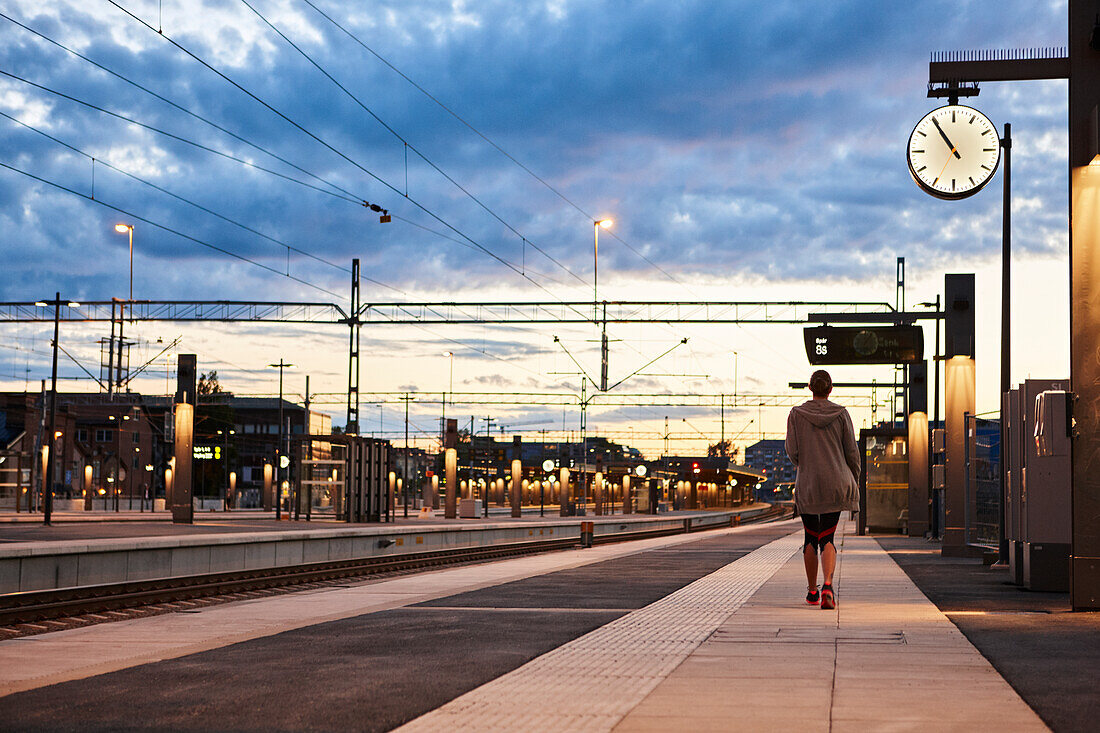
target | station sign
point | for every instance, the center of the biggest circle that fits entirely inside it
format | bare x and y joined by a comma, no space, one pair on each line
207,452
864,344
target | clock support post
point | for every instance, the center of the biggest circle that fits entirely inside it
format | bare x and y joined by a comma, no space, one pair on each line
1081,66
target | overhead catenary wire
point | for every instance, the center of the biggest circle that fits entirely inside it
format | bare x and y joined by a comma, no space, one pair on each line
163,227
484,137
178,138
407,145
349,196
333,149
196,205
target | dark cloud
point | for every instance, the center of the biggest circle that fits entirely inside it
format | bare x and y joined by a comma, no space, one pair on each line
734,138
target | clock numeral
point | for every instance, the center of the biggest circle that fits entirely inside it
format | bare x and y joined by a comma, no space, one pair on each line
917,151
972,183
988,150
986,167
922,134
921,168
972,118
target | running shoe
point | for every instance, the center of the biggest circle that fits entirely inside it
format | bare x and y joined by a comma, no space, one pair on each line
828,597
813,597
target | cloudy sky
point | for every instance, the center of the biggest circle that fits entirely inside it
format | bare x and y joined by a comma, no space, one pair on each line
745,150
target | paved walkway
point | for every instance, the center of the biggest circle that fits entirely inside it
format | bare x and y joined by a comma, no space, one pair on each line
736,649
35,661
740,649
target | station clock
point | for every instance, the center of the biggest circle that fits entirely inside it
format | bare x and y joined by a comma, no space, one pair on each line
953,152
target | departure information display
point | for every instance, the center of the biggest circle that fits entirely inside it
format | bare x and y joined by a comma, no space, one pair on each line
864,344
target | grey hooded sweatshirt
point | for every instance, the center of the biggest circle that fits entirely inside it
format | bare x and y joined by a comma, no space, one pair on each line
821,443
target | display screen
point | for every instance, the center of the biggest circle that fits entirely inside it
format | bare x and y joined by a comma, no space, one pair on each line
864,344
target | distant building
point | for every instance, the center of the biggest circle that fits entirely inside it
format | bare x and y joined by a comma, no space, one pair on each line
114,448
770,458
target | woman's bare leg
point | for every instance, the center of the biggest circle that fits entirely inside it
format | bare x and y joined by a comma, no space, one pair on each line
809,554
828,563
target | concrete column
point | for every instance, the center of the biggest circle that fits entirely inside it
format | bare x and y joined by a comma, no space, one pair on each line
628,500
450,461
918,474
597,492
435,491
183,510
518,486
959,393
563,499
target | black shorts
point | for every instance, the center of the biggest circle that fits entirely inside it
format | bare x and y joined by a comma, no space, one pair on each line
820,529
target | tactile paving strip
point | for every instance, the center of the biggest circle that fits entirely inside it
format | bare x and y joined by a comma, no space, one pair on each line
590,683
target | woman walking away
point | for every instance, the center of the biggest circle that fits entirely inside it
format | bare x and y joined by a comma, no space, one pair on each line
821,443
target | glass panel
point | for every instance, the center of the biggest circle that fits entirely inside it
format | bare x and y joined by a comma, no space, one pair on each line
887,483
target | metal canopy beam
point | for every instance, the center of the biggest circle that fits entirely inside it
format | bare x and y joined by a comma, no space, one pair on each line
895,317
610,312
179,310
396,314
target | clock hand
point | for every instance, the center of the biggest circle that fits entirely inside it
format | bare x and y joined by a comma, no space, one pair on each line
945,139
942,170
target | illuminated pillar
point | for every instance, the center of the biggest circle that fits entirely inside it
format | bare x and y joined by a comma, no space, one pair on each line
563,496
959,394
391,488
628,500
183,510
450,463
434,498
517,487
918,474
232,488
597,490
87,488
269,497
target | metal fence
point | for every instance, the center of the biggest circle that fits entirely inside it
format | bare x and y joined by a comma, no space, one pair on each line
983,482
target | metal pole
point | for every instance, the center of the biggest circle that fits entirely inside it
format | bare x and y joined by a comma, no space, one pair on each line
1006,326
309,457
934,520
584,448
405,469
47,512
279,452
130,229
595,267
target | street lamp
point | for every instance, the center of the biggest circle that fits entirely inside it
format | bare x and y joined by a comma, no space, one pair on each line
596,226
129,229
47,509
450,389
279,451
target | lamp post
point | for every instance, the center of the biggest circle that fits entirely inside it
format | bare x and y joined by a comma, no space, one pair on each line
450,388
279,451
225,457
596,225
129,229
47,509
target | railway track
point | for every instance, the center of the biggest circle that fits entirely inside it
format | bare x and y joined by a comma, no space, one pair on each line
32,612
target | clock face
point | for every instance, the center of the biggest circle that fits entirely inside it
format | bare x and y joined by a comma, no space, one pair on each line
953,152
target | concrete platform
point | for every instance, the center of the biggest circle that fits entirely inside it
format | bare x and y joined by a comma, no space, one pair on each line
687,632
91,554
